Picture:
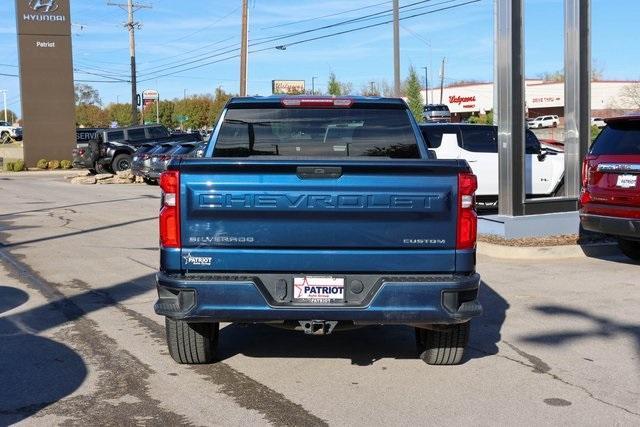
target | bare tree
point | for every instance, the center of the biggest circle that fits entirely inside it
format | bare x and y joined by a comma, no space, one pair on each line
630,95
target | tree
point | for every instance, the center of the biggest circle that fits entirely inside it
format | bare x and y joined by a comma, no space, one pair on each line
219,101
11,116
630,95
87,95
413,93
333,87
120,113
91,116
370,90
464,82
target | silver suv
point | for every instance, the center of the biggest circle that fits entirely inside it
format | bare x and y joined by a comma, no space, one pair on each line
436,113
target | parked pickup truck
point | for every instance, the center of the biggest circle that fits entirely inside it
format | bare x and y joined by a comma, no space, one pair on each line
318,214
8,132
112,150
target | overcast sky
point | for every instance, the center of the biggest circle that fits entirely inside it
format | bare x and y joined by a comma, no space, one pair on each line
176,35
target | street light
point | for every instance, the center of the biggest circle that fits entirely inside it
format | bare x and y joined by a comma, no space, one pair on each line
313,85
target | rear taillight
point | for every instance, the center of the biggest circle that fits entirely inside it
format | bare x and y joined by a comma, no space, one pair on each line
585,197
170,210
80,151
467,229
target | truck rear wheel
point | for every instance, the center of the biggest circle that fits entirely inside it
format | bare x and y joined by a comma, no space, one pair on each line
191,343
630,248
442,347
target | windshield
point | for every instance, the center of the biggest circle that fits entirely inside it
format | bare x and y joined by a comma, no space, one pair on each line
309,132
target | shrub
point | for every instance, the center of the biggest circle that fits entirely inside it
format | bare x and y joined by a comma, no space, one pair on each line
66,164
54,164
8,166
595,131
42,164
18,166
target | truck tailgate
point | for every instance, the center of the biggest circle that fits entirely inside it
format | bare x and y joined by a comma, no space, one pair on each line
311,215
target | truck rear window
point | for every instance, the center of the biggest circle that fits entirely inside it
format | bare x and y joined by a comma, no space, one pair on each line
618,138
310,132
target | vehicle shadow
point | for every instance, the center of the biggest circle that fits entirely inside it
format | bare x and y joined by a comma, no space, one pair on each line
601,327
34,371
37,371
486,329
364,346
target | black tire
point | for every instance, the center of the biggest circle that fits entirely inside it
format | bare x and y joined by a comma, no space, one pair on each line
100,168
191,343
630,248
443,347
121,162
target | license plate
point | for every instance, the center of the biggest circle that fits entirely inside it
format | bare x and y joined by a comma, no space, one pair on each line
627,181
318,289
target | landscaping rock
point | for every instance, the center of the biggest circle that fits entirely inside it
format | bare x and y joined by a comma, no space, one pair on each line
78,174
102,176
107,181
84,180
126,175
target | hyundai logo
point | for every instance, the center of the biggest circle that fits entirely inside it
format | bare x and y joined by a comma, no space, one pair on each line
46,6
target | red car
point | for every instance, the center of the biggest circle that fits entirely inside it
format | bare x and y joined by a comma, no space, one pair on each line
610,199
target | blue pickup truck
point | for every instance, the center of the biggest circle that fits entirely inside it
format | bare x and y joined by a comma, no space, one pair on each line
318,214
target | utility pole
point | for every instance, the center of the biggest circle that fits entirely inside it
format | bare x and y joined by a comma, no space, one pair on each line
4,100
313,85
426,85
131,25
244,49
396,47
442,79
372,88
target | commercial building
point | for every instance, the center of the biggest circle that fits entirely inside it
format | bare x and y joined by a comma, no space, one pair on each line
542,98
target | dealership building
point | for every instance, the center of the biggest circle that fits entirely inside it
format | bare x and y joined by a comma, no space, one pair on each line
542,98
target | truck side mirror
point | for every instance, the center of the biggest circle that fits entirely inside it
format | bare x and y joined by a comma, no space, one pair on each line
542,155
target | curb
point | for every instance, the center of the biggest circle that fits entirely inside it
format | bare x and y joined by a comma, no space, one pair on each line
547,252
61,172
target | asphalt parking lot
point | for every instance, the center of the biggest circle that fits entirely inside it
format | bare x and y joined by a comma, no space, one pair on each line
559,342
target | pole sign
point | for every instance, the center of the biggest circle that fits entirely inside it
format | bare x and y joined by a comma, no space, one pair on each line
150,96
46,79
284,87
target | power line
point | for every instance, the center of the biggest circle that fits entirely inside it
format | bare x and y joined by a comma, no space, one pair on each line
189,68
282,47
376,15
207,26
317,18
100,75
264,40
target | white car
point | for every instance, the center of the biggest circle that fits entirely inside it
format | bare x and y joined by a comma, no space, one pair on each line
598,121
544,122
9,131
478,145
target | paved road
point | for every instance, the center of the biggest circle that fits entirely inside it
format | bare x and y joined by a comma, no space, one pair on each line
80,344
